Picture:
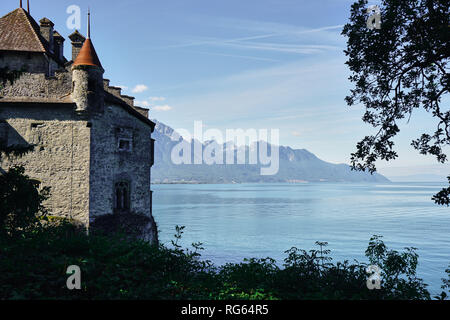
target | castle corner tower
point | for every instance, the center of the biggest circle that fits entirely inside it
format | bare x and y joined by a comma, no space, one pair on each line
87,75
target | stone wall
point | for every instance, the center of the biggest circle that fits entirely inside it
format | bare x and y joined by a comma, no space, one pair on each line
61,156
110,165
77,143
38,85
32,62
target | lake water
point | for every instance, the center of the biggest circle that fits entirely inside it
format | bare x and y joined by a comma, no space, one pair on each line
265,220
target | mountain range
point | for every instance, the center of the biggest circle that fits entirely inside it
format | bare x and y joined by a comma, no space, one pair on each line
295,165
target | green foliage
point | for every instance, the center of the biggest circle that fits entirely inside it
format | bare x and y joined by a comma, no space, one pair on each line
20,198
34,266
398,270
20,202
443,197
10,76
396,70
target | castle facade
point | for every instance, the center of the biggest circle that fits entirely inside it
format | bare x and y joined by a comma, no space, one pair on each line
93,146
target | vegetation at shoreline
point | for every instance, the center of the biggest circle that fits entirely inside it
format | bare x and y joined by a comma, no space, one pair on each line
33,265
36,250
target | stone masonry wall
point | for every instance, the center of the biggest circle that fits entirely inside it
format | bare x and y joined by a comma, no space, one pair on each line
110,165
61,156
38,85
33,62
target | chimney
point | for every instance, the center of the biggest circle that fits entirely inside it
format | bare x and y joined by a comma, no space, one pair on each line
77,43
59,45
47,32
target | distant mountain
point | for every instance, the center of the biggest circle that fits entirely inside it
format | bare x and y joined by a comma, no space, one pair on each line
295,166
420,178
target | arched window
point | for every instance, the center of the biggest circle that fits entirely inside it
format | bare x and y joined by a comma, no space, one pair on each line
122,196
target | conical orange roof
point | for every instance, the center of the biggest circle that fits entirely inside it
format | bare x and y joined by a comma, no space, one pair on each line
87,55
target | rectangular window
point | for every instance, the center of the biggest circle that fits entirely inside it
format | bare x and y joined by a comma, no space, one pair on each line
125,144
3,133
37,133
124,139
92,85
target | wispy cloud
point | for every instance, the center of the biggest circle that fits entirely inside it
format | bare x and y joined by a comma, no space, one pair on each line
143,103
156,99
162,108
147,103
280,47
235,56
286,38
140,88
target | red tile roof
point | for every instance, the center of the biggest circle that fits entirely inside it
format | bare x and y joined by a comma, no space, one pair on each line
20,32
87,55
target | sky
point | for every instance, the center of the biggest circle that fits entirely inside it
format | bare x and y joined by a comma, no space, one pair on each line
261,64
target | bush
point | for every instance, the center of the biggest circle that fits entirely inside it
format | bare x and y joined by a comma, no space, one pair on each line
20,202
34,266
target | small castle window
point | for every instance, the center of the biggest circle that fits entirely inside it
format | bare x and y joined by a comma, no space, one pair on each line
124,138
125,144
122,196
92,86
37,134
3,134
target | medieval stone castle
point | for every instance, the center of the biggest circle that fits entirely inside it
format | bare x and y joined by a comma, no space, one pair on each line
93,146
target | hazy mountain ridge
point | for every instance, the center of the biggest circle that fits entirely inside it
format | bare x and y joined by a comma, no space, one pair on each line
296,165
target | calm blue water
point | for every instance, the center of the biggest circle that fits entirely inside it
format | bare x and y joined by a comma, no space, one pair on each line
264,220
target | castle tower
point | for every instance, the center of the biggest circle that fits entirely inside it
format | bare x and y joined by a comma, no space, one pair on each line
87,75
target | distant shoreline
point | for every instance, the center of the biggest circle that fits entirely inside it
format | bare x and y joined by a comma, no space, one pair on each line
280,182
299,183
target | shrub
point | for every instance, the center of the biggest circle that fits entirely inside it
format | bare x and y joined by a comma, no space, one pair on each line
34,266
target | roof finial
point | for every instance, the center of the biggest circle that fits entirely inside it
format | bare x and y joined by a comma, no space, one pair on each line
28,6
21,3
89,24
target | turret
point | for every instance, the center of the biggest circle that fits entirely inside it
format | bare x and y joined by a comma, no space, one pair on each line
87,76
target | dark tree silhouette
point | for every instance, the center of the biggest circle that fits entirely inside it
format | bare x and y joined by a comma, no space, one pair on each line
397,69
10,76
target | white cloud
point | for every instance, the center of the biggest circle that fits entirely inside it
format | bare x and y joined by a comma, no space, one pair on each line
157,99
123,87
162,108
143,103
147,103
140,88
296,133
